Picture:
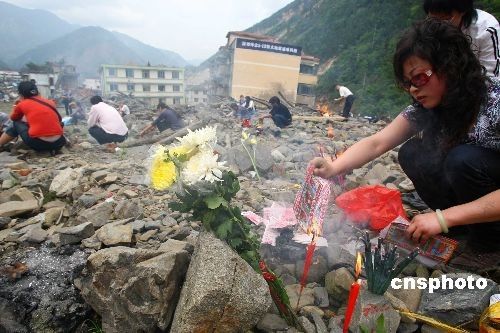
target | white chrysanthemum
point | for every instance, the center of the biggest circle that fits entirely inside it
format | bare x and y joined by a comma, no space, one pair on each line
203,166
200,138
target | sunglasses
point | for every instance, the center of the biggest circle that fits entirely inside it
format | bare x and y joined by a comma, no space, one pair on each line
418,80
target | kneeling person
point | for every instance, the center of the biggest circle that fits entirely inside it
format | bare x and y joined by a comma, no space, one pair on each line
35,120
105,123
279,113
167,118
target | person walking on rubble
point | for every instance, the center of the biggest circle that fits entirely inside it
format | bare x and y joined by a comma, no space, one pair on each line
167,118
349,97
105,123
451,136
35,120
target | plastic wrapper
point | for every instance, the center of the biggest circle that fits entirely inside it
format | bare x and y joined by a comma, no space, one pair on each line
375,204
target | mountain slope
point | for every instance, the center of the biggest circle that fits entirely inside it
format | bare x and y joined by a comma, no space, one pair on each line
151,54
361,36
89,47
22,29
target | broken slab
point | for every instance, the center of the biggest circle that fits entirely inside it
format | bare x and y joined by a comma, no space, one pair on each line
222,293
15,208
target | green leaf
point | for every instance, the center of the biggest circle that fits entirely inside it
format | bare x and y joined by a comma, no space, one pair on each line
364,329
223,229
380,327
235,242
215,201
208,217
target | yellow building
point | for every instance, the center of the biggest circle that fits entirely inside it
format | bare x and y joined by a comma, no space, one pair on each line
148,83
260,66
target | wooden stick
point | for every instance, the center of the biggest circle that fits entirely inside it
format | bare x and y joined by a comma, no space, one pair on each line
333,118
291,105
261,101
166,137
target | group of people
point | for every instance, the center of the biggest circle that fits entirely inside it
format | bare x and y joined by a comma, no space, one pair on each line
449,65
38,123
279,113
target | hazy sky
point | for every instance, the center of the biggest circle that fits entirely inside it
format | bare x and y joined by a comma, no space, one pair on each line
193,28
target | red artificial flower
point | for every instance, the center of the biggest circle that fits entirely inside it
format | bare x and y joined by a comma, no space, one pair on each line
269,277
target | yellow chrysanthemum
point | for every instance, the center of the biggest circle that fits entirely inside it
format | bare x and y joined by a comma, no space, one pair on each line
163,174
181,151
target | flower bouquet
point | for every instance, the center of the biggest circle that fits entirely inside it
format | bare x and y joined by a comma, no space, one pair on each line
206,187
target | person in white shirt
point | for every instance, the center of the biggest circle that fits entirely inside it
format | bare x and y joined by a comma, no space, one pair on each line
346,94
482,27
105,123
124,110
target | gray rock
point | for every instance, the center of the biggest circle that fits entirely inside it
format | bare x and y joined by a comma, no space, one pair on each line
381,173
15,208
74,235
100,174
454,306
411,297
87,200
152,225
319,323
128,209
138,226
22,194
369,308
175,245
92,242
338,282
321,297
133,290
67,180
99,215
112,235
307,325
52,216
35,234
317,270
4,221
222,293
307,297
271,323
181,233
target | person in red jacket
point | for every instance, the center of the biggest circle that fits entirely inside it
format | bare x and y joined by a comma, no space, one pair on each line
35,120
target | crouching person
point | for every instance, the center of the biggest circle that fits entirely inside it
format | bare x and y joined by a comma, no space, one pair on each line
35,120
105,123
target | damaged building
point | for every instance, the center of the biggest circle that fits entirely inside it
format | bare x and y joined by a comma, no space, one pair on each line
151,84
261,66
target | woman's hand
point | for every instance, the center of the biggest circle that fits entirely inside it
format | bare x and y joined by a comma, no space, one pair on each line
322,168
423,227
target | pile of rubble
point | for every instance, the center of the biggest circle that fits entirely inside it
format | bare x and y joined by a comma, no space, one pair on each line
84,239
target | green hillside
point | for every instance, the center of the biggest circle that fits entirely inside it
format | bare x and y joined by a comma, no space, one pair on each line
361,36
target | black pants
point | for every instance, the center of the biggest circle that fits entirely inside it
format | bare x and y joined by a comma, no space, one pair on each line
103,137
348,105
281,121
20,128
462,175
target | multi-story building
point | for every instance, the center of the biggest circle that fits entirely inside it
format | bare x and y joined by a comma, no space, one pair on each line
257,65
196,94
148,83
